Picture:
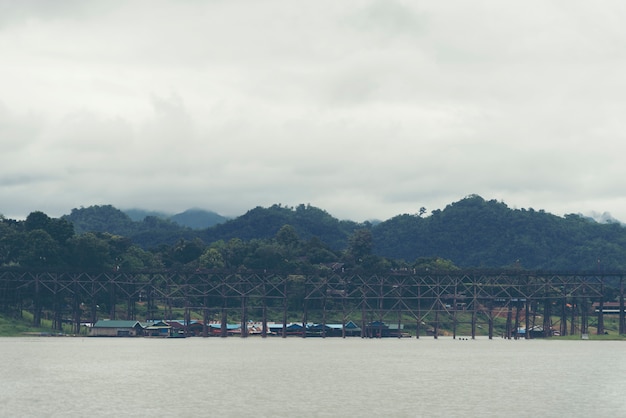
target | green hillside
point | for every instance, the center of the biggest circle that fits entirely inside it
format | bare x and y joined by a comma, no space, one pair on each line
472,232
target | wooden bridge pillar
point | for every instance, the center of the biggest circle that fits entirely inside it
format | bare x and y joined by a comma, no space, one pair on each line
224,317
474,307
37,303
285,307
584,317
515,330
76,311
564,312
418,319
223,322
600,329
305,314
244,316
112,300
454,319
572,322
509,318
363,317
187,318
490,319
399,322
57,306
547,318
436,325
343,315
325,292
527,319
264,318
205,319
622,323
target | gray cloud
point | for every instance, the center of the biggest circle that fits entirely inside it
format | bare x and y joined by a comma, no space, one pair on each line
367,110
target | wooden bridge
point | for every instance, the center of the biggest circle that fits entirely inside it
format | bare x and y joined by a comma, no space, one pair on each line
546,302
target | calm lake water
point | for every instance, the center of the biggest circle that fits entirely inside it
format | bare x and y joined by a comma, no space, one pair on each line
294,377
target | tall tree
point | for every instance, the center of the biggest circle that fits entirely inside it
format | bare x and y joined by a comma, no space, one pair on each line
360,244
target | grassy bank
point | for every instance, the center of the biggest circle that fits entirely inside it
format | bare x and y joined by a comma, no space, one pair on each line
16,327
10,327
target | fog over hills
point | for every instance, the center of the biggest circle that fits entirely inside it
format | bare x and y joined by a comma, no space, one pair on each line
194,218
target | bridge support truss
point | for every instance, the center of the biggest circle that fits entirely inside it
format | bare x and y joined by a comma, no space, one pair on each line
520,304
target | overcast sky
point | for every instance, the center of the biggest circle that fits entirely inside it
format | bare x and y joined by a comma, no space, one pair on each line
366,109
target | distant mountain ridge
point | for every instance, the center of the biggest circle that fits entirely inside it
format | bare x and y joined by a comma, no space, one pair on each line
192,218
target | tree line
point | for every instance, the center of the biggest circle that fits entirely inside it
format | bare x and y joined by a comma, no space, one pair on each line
42,242
470,233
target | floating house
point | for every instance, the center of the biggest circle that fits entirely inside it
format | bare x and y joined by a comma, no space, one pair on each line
379,329
194,328
157,329
116,328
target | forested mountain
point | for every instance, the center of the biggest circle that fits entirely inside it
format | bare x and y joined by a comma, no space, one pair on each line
477,233
150,232
469,233
263,223
104,218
